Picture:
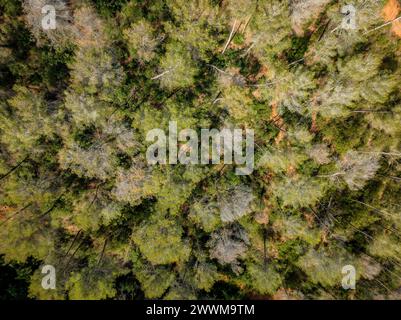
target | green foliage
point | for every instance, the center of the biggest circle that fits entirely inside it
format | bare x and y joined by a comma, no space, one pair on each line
177,68
141,42
154,280
385,246
14,279
76,189
263,279
205,275
86,286
168,248
324,265
293,227
299,192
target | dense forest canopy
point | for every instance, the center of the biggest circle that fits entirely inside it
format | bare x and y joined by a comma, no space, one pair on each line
318,82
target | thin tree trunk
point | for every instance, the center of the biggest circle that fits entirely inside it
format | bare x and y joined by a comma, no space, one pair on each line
14,168
249,49
168,97
324,30
390,177
72,256
95,197
73,242
217,98
371,207
381,26
219,70
372,111
16,213
264,249
52,207
330,175
246,23
104,248
398,154
230,37
160,75
296,61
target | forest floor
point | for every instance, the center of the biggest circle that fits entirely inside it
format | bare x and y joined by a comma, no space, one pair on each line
390,12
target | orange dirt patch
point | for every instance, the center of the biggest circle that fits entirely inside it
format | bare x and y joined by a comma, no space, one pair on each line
278,122
71,228
390,12
257,94
285,294
309,219
263,71
291,171
313,128
263,216
4,210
